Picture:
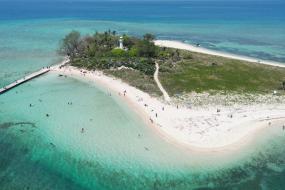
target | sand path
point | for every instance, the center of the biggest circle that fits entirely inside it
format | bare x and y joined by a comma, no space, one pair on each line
165,94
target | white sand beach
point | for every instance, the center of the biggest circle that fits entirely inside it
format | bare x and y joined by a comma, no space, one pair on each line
210,127
189,47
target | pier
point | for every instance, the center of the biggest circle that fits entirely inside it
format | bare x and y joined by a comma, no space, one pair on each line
23,80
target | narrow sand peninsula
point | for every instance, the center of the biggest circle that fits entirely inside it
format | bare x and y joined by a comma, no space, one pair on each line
184,46
201,128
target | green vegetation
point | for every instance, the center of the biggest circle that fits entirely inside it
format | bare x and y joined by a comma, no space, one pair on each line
137,79
100,51
180,71
201,72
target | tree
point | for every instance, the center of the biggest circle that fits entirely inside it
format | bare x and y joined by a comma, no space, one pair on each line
283,84
129,41
133,52
149,37
146,48
70,44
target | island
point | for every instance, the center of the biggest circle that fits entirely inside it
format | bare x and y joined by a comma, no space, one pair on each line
199,99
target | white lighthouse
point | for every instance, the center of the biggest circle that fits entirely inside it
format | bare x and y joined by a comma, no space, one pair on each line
121,42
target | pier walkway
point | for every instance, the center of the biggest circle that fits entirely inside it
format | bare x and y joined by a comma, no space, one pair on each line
23,80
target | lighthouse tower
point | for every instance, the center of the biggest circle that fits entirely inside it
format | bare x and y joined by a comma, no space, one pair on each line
121,43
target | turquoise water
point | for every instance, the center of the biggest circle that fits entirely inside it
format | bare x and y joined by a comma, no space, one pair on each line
117,150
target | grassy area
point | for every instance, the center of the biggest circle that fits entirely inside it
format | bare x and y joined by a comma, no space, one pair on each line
203,73
200,72
137,79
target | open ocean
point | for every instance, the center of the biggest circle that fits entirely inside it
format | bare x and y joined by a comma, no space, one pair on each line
37,152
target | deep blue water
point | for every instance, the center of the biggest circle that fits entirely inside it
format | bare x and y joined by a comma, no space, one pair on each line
171,11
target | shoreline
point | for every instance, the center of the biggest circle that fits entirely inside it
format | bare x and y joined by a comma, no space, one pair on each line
192,48
199,128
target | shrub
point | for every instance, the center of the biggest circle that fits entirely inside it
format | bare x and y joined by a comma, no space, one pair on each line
133,52
118,53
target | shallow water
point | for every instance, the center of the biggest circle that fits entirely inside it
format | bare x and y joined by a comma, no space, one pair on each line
116,150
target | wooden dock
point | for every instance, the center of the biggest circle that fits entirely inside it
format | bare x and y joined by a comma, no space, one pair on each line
23,80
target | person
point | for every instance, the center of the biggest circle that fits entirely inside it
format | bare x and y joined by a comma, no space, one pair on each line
47,115
155,114
30,105
82,130
162,108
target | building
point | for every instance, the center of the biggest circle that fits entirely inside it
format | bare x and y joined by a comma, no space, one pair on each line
121,43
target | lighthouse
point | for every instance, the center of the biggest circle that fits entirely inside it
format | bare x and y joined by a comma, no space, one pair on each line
121,43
